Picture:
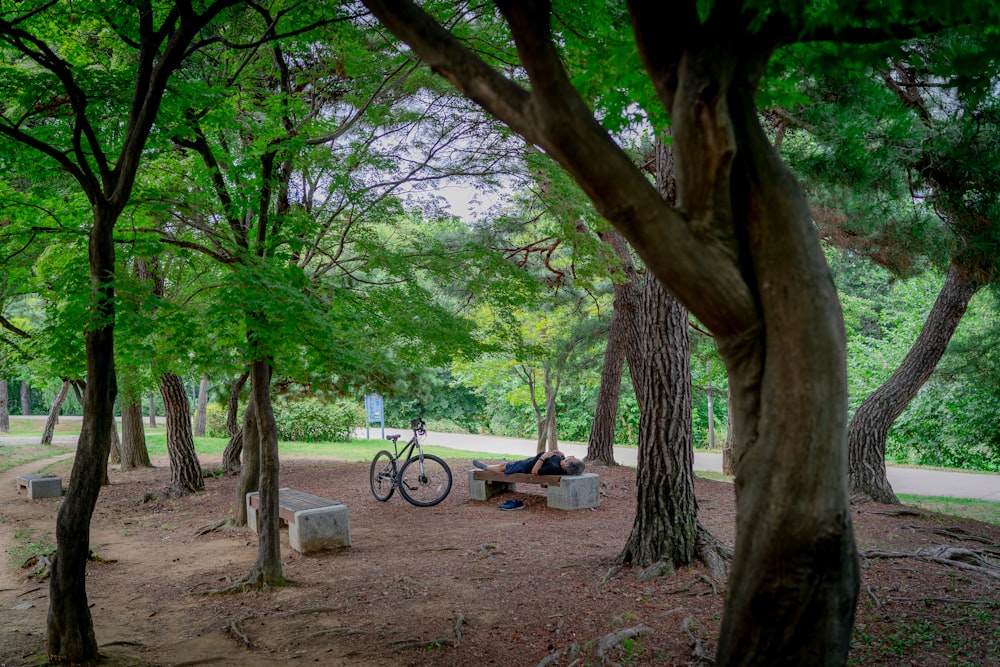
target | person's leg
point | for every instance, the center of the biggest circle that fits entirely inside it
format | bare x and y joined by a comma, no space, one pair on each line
496,467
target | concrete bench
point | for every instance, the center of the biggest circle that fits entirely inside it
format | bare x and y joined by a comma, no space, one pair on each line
40,485
564,492
314,523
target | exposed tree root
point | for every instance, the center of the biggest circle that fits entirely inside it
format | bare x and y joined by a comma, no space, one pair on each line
234,627
954,532
713,553
212,527
614,639
985,603
901,512
962,559
698,650
404,644
602,645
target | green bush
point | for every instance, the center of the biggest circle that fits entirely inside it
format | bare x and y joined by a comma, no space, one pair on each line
312,420
215,421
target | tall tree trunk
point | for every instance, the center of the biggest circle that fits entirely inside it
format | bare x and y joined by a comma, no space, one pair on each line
869,428
267,569
711,408
185,470
601,443
115,452
152,410
4,408
135,454
666,526
70,627
200,416
249,481
231,456
728,464
25,398
50,423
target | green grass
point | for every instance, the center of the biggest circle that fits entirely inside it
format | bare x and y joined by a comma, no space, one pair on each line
14,455
980,510
355,450
28,545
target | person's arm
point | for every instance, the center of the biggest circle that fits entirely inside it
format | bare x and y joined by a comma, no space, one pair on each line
541,459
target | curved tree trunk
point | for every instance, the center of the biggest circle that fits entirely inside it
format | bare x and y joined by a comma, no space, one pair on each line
867,432
185,470
665,526
135,454
231,456
249,481
70,627
50,423
4,409
200,416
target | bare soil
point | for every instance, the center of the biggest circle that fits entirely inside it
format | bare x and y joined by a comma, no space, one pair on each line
460,583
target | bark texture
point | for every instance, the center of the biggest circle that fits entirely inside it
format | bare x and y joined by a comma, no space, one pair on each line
869,428
152,411
50,423
185,470
133,443
666,526
267,570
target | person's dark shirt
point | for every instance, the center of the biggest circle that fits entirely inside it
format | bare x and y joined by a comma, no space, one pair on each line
552,466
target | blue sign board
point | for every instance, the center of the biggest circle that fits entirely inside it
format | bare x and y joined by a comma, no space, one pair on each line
373,407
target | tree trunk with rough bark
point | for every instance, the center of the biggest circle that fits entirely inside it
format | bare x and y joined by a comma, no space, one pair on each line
231,456
50,423
185,470
869,428
25,398
135,454
152,410
200,416
4,409
665,526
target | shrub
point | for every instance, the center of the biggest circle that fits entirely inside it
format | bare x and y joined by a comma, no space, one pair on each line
215,421
312,420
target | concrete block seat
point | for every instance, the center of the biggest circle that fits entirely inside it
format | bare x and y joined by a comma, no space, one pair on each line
40,485
564,492
314,523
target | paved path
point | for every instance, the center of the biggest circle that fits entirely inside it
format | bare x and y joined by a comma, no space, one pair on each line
912,481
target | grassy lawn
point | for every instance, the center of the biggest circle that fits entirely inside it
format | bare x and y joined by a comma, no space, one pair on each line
980,510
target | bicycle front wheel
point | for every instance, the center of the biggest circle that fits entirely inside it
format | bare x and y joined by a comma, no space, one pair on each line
425,480
383,476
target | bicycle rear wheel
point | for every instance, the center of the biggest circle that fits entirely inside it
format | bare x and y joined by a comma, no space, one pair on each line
383,476
425,480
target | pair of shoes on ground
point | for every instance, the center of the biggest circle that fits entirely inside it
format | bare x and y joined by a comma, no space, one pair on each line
476,463
510,505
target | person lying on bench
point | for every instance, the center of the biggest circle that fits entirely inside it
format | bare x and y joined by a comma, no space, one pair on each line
546,463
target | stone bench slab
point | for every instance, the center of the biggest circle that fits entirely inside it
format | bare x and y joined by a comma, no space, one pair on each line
40,485
314,523
565,492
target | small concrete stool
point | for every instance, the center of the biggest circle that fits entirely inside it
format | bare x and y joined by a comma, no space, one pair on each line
40,485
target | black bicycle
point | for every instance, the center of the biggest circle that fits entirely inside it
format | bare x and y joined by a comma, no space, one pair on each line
423,479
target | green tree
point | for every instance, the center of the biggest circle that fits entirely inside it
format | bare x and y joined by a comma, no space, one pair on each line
739,251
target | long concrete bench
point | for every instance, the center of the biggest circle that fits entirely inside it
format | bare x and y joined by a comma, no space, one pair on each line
40,485
314,523
564,492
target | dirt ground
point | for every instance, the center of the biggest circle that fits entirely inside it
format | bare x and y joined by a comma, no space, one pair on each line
460,583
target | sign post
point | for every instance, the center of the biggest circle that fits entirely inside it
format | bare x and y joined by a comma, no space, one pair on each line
373,408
